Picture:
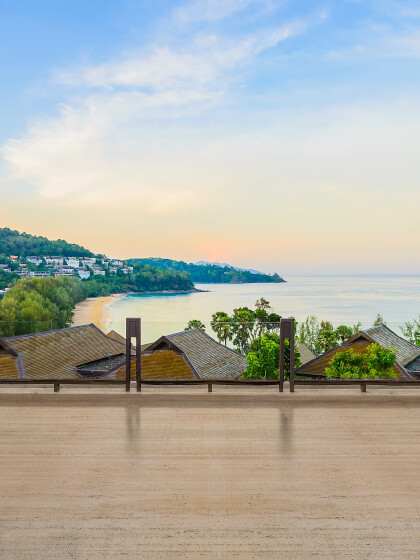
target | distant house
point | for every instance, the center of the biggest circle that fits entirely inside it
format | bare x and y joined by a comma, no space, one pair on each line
408,354
5,268
83,273
39,274
55,354
87,261
64,270
116,262
99,271
57,261
73,262
112,269
34,260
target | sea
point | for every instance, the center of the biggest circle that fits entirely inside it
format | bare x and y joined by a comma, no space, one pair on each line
339,299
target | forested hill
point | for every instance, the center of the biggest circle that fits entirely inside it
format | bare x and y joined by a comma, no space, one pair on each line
23,245
210,273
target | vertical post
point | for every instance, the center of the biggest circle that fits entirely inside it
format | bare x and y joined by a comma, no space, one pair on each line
56,387
281,361
127,356
132,329
363,387
287,330
292,356
138,357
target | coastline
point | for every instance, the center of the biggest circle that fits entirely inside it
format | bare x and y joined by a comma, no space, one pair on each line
95,310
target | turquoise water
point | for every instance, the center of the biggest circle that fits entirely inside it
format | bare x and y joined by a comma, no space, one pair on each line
340,299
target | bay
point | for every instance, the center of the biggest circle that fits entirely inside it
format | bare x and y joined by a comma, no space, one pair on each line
340,299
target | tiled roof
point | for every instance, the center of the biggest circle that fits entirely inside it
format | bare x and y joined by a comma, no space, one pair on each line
209,359
8,366
406,351
55,354
162,364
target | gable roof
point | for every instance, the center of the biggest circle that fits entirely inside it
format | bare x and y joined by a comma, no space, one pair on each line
359,342
161,364
208,358
406,351
55,354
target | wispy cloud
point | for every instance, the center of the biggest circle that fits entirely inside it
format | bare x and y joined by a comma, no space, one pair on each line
80,152
212,10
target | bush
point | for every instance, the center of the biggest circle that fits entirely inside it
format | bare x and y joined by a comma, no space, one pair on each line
377,362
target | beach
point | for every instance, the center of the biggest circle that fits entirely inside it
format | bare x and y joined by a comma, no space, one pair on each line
95,310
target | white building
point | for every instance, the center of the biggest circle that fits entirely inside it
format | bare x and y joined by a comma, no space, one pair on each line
117,262
73,262
99,271
113,269
5,267
39,274
34,260
87,261
64,271
58,261
83,273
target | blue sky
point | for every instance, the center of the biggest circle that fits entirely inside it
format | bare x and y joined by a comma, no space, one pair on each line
281,134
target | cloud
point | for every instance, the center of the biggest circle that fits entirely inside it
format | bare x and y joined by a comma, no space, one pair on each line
100,147
211,10
198,64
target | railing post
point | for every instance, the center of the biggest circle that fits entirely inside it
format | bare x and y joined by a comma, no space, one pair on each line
287,330
210,387
363,387
132,329
56,387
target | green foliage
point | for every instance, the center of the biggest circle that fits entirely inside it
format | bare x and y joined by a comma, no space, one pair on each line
264,356
195,324
245,324
208,273
377,362
222,325
37,304
320,336
344,332
7,279
379,320
23,244
411,331
144,278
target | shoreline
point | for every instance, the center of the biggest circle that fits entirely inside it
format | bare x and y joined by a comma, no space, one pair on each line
95,310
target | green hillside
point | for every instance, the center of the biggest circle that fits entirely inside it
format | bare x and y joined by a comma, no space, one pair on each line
209,273
13,242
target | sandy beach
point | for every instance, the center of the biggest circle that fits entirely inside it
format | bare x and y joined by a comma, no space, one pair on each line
94,310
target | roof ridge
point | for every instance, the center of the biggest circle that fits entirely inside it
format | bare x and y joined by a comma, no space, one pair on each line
394,333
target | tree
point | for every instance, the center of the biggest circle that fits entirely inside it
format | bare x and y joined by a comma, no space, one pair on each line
344,332
222,325
308,332
376,362
326,340
379,320
195,324
411,331
264,356
39,304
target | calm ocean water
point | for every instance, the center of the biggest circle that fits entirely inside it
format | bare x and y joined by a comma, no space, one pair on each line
340,299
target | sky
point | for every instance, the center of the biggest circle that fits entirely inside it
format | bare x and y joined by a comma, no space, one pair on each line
276,135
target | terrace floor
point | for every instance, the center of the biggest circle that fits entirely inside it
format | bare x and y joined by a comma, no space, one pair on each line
244,473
